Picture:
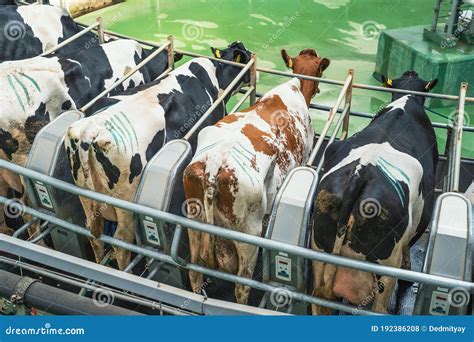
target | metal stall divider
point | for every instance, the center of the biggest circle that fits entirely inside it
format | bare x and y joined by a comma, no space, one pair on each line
450,254
48,157
290,217
73,38
161,186
450,250
83,268
45,154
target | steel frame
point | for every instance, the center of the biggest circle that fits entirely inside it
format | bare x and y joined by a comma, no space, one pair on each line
201,304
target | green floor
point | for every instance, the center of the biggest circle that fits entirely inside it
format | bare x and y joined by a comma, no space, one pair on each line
344,31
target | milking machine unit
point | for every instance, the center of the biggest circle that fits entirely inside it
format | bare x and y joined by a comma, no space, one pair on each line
450,253
289,222
161,188
48,156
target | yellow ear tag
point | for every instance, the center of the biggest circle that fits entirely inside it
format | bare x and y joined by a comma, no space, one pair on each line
290,63
237,60
389,82
427,86
218,53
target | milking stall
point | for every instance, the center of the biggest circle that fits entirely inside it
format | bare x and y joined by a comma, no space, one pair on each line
53,271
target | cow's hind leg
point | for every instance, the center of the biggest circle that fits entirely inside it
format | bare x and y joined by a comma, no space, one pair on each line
95,222
194,183
195,278
4,229
125,232
323,280
322,288
247,260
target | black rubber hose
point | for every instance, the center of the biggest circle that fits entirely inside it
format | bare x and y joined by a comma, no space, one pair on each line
59,302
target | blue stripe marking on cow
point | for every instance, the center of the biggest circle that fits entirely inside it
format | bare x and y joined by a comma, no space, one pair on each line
393,181
109,128
404,175
32,80
114,127
206,148
10,81
126,130
23,87
241,164
131,126
121,133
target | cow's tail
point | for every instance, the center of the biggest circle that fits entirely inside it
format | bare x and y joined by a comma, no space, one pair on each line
209,195
83,147
207,241
349,200
84,155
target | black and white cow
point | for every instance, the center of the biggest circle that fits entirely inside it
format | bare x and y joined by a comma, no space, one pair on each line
36,90
375,198
28,31
108,151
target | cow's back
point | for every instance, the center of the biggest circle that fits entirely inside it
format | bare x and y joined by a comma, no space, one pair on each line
31,30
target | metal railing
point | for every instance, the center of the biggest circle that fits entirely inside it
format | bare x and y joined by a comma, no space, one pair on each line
130,74
345,93
223,233
454,162
342,122
72,38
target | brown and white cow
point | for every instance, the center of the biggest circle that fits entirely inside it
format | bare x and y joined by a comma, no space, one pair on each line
239,165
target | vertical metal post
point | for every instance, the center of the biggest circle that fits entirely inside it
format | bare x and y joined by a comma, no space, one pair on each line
348,100
253,80
452,18
457,139
434,23
448,152
171,53
100,30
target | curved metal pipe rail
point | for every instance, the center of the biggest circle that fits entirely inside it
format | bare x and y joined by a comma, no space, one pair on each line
291,75
218,231
93,287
